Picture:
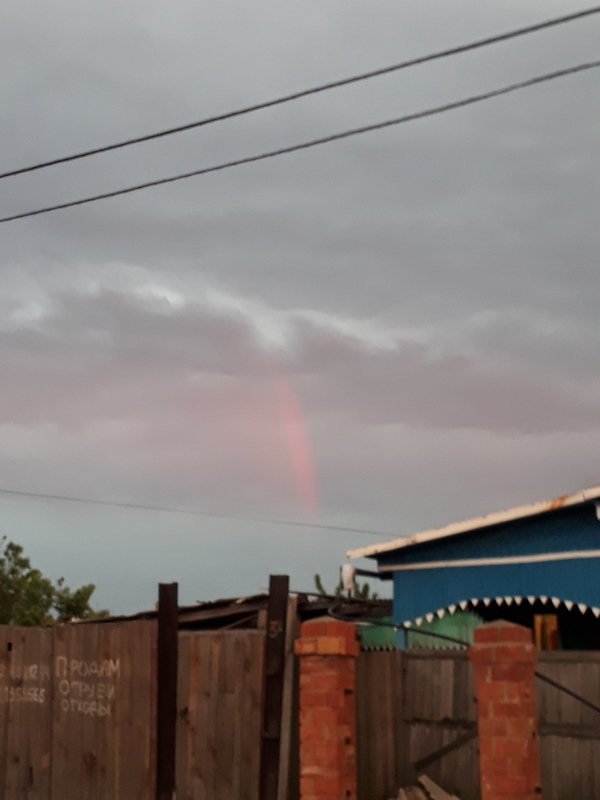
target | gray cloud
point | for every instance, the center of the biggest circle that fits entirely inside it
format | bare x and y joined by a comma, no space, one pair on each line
427,292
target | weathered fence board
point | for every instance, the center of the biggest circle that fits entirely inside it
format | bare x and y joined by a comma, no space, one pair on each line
219,715
78,717
409,705
26,693
569,730
77,712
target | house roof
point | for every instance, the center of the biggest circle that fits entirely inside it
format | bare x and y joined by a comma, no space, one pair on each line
243,611
372,551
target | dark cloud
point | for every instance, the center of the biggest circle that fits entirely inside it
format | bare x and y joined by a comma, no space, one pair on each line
427,291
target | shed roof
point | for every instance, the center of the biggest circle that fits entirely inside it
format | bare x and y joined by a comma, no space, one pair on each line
242,611
372,551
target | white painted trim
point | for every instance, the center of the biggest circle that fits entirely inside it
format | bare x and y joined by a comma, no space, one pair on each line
479,522
493,562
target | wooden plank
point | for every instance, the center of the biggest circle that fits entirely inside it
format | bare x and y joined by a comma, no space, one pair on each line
15,781
287,711
273,694
446,700
433,790
59,714
147,704
390,710
122,710
135,665
568,656
238,723
88,640
258,649
587,732
166,702
460,690
377,691
361,740
213,711
184,715
596,763
445,749
404,771
435,690
44,684
225,720
589,684
362,733
423,654
200,749
117,729
105,775
466,783
585,761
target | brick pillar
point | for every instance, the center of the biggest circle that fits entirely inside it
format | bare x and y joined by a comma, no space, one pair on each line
327,653
504,659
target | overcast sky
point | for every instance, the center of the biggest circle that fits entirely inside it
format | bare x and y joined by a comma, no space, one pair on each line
393,332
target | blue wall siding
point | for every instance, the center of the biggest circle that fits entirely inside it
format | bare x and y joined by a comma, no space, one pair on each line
556,531
422,591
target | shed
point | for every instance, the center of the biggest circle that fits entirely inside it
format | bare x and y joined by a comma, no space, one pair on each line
538,565
251,612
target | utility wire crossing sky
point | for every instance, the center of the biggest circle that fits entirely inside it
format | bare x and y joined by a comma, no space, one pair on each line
550,76
440,54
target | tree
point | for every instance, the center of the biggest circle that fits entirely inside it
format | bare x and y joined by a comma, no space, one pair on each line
27,598
358,593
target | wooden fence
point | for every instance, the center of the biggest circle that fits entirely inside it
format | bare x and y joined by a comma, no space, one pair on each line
78,717
219,715
569,731
78,713
77,709
409,705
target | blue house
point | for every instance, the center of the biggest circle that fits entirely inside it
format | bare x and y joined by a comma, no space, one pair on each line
538,565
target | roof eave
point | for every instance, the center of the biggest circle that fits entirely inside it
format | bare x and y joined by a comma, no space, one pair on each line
372,551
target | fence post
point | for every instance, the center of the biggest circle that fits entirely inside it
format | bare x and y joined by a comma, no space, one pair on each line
504,660
327,652
166,700
273,686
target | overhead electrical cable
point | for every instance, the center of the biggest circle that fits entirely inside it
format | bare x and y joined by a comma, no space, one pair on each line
440,54
513,87
191,512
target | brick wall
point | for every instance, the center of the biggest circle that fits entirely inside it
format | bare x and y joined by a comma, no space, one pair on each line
504,660
327,653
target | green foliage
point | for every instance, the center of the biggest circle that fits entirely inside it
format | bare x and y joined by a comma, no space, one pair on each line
319,585
27,598
358,593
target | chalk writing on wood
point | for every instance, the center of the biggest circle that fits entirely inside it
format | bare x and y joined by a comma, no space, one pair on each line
28,672
22,694
84,687
23,675
87,687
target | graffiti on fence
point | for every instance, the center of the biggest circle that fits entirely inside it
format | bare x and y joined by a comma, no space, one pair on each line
83,687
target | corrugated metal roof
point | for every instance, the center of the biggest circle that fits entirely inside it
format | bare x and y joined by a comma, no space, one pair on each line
216,612
479,522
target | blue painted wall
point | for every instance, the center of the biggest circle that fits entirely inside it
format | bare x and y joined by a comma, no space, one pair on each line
425,590
422,591
557,531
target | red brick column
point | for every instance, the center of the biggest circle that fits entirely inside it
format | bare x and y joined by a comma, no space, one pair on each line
327,652
504,660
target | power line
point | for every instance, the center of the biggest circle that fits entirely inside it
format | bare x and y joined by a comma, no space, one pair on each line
315,90
314,142
191,512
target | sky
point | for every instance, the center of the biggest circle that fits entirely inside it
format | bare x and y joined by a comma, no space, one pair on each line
389,333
